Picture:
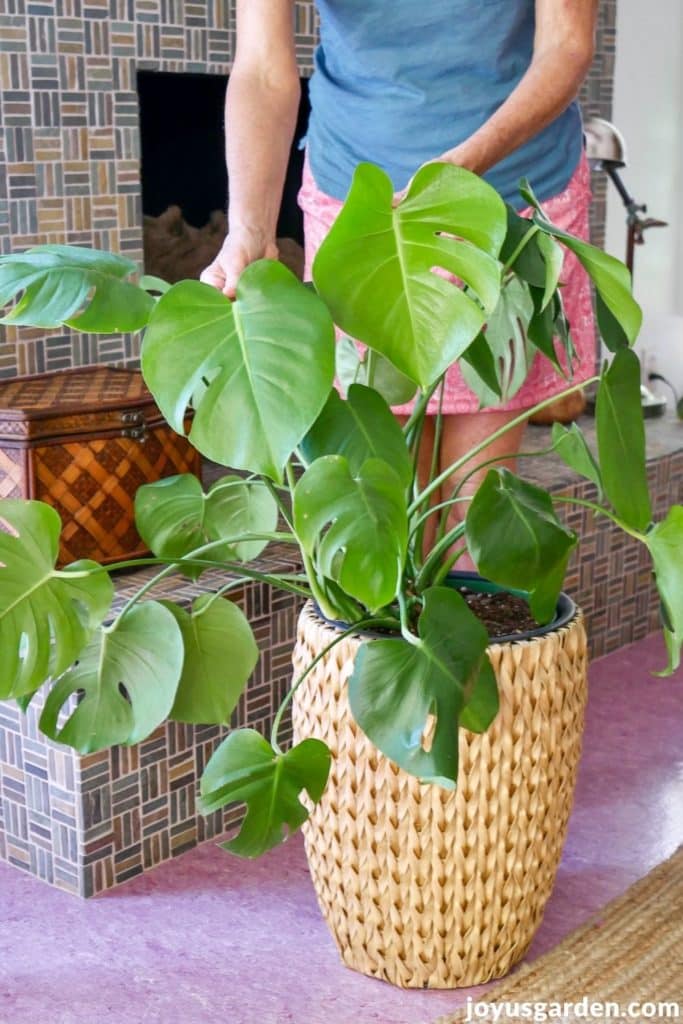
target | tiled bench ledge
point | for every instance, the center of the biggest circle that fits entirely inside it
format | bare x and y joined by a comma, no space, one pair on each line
88,823
610,574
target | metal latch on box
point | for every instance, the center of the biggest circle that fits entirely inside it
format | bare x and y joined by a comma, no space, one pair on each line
135,428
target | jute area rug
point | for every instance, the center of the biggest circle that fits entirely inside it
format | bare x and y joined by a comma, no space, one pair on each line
629,952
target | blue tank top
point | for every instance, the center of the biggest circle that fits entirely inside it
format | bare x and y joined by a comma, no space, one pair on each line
398,82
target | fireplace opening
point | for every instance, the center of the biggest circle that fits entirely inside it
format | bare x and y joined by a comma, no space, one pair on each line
184,180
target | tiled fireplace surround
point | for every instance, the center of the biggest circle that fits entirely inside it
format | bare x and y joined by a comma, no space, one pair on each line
69,172
69,138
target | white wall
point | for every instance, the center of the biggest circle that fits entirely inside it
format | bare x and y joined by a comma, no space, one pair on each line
648,110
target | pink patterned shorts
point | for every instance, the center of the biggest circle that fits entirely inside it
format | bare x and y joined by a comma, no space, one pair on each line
569,211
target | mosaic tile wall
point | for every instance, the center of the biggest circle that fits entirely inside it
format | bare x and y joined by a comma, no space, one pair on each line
69,144
88,823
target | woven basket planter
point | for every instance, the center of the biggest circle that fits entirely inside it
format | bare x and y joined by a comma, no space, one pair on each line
425,887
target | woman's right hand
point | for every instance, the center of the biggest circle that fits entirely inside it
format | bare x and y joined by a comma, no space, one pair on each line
240,248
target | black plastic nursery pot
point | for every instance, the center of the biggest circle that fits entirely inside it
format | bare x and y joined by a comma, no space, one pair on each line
565,611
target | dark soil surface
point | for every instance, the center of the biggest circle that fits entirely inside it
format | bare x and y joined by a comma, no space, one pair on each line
502,614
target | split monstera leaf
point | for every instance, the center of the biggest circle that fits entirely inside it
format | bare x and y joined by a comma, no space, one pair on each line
450,273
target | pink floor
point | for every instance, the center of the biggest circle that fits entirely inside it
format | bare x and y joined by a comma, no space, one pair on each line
214,940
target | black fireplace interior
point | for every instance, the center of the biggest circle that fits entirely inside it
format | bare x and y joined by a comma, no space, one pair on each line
183,148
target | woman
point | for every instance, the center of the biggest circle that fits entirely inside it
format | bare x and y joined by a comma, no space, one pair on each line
485,84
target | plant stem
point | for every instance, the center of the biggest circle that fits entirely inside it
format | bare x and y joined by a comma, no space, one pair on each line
227,566
434,509
482,465
370,361
317,592
295,686
443,506
598,510
409,637
525,239
139,563
144,590
432,561
279,581
232,585
448,565
522,418
419,408
433,468
284,512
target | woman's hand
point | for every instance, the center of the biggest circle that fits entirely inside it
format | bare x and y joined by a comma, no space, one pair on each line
240,248
260,115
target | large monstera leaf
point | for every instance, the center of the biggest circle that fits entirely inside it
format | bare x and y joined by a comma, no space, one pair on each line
126,679
619,315
375,268
46,615
516,539
220,655
396,686
258,369
359,428
354,526
83,288
174,516
506,340
539,257
245,768
621,440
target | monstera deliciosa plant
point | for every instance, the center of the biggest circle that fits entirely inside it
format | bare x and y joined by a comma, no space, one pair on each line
326,469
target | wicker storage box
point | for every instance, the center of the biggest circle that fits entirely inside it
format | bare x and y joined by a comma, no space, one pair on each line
84,440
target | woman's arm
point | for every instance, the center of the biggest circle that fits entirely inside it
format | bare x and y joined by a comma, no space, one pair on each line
260,113
563,51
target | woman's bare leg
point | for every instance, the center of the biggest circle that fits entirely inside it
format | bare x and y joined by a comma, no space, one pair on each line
424,463
461,432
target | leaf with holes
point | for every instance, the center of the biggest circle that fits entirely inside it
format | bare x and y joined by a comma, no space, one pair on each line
398,687
373,370
528,263
174,517
245,768
125,679
553,259
619,315
546,326
354,526
482,374
375,268
65,284
506,337
220,655
259,368
359,428
46,615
